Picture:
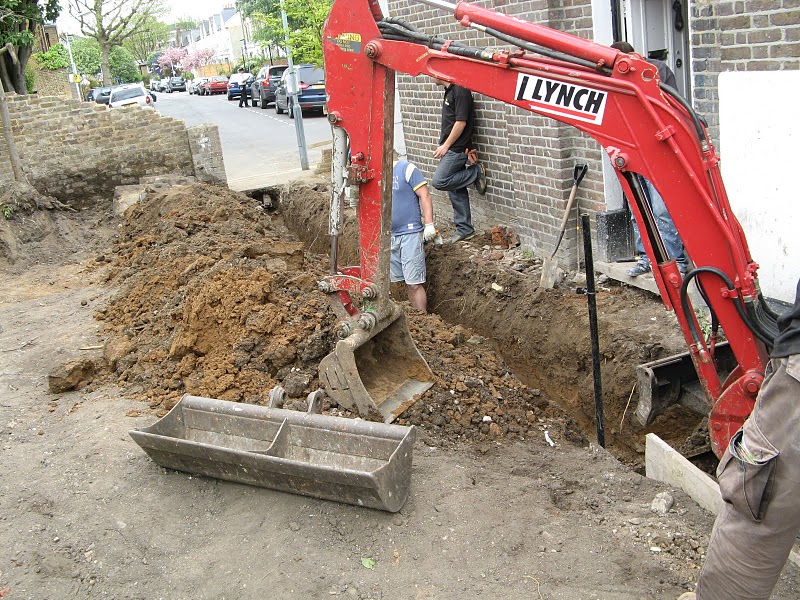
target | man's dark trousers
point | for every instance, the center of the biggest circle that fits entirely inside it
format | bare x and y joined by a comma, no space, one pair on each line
452,177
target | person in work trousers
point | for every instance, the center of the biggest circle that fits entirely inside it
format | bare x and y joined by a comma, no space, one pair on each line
759,480
458,160
669,234
411,206
243,95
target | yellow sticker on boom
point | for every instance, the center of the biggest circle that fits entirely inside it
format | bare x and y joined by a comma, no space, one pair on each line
348,42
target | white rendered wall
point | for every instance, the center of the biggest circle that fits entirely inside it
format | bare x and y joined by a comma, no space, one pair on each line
603,32
759,137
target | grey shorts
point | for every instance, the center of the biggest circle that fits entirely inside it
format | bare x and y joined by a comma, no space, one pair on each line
408,259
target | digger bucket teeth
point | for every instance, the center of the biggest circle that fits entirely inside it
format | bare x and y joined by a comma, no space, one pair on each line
378,374
673,380
345,460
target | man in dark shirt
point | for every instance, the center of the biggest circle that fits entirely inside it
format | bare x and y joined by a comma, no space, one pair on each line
243,88
759,480
458,165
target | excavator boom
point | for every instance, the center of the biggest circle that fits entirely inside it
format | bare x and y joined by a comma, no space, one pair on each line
645,127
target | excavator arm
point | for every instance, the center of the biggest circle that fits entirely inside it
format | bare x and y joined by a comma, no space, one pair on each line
645,127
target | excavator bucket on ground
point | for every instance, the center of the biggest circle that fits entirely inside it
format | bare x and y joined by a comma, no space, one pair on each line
379,373
674,380
345,460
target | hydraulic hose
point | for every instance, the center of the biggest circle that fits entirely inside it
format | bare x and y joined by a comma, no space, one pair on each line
756,328
675,94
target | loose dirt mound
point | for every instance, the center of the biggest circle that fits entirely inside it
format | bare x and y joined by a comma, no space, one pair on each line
220,300
37,229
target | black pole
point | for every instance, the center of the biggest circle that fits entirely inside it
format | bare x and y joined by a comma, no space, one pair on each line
593,332
616,21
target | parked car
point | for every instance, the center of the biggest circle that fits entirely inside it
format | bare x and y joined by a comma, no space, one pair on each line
193,87
265,84
90,95
127,95
218,84
310,90
153,85
162,85
102,94
176,84
236,82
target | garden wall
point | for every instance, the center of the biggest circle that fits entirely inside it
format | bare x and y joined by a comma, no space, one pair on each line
79,151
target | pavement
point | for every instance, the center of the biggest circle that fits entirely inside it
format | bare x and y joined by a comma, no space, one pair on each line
259,146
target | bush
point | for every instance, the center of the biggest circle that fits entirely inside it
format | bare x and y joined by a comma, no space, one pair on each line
30,76
55,58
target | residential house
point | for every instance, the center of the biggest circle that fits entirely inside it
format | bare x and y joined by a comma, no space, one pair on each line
736,62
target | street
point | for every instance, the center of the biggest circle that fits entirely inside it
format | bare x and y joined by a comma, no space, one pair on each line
259,146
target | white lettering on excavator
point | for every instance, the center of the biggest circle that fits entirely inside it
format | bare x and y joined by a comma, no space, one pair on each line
559,98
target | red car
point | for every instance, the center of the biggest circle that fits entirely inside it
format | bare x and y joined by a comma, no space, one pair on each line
218,84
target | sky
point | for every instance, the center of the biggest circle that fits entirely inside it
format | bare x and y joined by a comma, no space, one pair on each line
198,9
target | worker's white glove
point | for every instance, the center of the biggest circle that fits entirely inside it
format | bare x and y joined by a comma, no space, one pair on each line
429,233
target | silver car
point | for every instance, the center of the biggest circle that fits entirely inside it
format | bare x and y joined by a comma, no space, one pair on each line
193,86
134,93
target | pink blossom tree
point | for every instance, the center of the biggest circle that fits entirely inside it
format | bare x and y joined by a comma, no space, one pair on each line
172,59
198,58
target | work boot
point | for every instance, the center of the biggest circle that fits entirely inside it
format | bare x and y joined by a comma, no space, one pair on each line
640,268
460,237
481,182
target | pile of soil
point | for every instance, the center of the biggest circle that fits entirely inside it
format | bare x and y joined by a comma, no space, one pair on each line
220,300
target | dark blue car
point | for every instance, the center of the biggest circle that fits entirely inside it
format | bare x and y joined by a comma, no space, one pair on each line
310,93
236,82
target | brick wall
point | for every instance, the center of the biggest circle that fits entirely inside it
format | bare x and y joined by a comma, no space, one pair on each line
54,83
740,35
529,158
79,151
206,149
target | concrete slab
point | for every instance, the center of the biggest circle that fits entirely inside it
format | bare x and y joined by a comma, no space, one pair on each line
663,463
618,271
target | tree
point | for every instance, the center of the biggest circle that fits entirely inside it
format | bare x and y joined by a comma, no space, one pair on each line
198,58
172,59
152,36
306,18
111,22
18,22
87,57
123,66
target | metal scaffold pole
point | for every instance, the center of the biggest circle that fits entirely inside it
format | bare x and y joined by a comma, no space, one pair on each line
296,111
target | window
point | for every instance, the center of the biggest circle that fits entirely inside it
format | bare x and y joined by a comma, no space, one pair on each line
127,94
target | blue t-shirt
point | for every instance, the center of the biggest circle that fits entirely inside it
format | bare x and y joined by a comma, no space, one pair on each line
406,214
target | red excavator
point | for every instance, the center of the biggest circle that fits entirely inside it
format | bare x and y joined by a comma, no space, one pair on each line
646,128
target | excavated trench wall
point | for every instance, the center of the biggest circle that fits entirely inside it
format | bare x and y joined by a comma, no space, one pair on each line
80,151
542,334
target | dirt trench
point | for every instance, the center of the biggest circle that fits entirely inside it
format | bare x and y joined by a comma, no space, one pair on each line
541,334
